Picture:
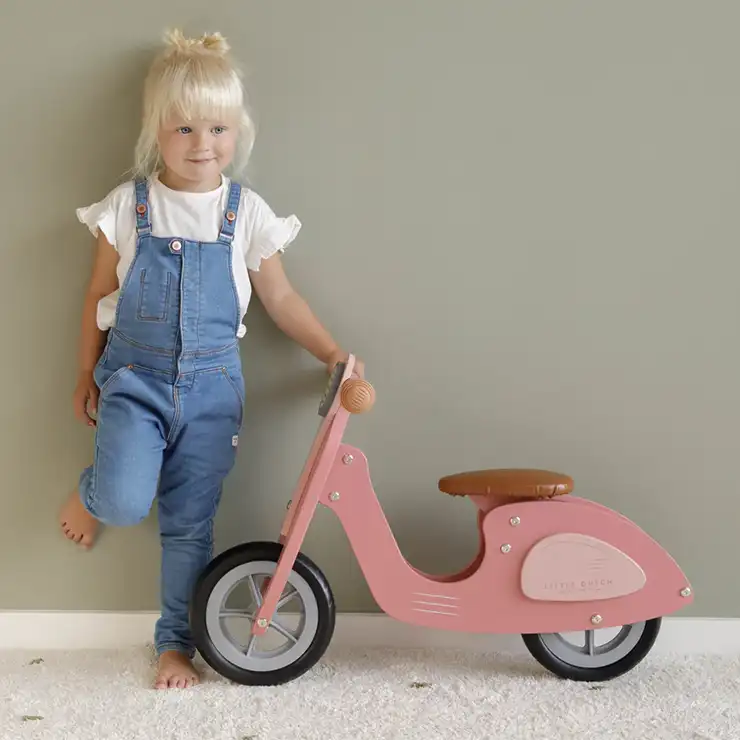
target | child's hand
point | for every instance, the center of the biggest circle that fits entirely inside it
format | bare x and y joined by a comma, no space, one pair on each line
86,398
340,356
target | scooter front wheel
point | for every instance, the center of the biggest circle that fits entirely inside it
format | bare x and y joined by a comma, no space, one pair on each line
591,655
226,599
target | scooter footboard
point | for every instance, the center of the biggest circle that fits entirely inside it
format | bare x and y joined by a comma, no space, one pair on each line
577,565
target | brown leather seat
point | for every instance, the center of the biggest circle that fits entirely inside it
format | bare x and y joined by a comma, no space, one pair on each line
517,483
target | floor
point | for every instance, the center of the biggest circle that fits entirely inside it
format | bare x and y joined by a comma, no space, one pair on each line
378,695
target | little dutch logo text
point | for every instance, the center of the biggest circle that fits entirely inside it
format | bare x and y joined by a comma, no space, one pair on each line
591,584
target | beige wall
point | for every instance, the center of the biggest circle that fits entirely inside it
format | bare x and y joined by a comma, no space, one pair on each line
523,215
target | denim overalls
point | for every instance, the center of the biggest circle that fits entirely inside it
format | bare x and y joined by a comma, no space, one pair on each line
171,402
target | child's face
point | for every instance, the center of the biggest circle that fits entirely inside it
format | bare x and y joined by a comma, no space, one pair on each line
196,152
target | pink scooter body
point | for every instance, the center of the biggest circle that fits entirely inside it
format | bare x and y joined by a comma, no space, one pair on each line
556,565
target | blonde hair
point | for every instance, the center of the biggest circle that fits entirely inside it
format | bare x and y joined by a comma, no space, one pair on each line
192,78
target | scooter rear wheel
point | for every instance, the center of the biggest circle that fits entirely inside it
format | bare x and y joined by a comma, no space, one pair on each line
226,599
591,661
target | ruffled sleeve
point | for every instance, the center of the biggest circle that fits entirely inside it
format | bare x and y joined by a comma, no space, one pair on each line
101,216
269,233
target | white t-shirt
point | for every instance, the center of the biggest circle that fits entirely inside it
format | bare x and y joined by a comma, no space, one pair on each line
258,234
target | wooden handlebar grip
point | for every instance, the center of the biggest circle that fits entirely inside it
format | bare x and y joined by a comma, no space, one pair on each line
357,396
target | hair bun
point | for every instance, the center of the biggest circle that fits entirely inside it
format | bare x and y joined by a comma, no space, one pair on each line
214,43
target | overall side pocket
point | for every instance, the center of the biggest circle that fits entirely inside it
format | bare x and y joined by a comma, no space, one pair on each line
110,381
237,386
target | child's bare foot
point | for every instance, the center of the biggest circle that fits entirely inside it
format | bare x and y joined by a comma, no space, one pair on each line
175,671
77,523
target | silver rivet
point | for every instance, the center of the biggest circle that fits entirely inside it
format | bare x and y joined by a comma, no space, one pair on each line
596,619
176,246
686,592
515,521
334,495
505,548
262,623
348,459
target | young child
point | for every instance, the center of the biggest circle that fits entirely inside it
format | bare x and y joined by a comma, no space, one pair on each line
179,250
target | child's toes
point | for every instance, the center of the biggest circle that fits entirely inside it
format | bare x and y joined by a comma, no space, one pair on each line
77,524
176,671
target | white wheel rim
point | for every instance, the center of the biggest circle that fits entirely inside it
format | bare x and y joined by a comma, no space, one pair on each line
594,653
297,604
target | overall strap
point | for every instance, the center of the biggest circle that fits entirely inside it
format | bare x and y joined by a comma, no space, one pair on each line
143,221
232,209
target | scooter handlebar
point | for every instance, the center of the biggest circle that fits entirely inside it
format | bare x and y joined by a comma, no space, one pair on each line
357,395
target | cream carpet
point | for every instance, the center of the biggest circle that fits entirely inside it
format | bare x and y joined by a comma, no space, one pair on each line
373,694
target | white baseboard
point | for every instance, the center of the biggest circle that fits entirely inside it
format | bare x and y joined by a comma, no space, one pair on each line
49,630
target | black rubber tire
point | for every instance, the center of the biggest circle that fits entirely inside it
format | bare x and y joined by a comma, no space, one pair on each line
233,558
541,653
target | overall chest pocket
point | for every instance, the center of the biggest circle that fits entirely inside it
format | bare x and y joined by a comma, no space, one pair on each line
155,290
